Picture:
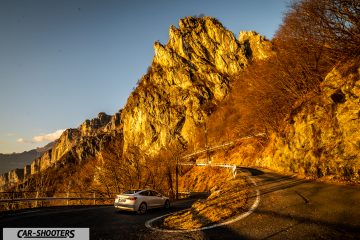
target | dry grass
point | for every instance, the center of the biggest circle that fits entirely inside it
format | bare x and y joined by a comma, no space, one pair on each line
226,200
155,235
203,179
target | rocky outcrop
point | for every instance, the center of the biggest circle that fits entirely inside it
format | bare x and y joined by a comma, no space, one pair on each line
27,171
74,145
322,137
188,77
256,45
115,123
80,142
4,180
16,176
11,178
91,127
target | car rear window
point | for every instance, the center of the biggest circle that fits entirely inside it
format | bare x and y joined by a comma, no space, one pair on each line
145,193
153,193
131,191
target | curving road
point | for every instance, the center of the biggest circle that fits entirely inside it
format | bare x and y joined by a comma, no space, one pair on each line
289,208
105,222
292,208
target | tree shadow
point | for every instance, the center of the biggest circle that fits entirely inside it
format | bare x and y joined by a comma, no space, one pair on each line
253,171
339,227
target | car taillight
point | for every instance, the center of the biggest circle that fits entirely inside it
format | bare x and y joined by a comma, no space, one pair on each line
132,198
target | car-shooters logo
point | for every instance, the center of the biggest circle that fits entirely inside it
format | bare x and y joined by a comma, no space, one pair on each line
46,233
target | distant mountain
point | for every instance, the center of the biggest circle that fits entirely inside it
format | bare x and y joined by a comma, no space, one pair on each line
18,160
45,148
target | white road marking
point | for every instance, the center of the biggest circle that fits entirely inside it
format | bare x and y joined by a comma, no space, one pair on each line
34,211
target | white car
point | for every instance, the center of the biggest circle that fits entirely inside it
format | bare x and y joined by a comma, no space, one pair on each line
141,200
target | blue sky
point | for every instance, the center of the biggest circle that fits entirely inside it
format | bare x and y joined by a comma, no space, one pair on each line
63,61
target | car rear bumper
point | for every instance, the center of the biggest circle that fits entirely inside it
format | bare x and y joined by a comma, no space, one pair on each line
125,207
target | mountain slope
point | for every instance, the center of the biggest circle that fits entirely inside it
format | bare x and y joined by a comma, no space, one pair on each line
322,135
188,77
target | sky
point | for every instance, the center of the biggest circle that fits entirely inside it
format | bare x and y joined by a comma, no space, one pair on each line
64,61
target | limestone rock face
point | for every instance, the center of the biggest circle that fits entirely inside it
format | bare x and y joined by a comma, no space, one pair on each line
256,46
11,178
115,123
72,137
69,138
82,141
16,176
322,137
74,145
188,77
4,181
91,127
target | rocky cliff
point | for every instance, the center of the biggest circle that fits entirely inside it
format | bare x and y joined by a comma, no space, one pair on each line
188,77
80,143
257,47
74,145
322,136
11,178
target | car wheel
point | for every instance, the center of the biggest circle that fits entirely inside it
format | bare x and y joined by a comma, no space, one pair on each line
167,204
142,208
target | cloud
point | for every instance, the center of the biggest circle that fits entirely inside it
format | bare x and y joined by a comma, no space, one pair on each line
20,140
48,137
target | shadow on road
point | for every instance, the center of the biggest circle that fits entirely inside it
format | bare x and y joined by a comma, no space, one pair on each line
268,183
339,227
253,171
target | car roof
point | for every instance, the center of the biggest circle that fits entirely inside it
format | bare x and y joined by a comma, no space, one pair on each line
140,190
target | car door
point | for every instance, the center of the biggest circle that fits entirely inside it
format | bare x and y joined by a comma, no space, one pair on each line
151,202
145,197
157,200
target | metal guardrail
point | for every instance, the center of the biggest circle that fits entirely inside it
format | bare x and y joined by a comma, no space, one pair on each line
231,143
17,198
210,149
233,167
51,199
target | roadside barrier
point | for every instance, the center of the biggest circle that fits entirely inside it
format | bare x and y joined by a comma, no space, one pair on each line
17,200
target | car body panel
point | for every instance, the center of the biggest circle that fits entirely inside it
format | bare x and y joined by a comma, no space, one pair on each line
131,201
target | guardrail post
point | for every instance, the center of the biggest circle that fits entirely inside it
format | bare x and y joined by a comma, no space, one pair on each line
37,196
67,200
13,202
234,171
177,179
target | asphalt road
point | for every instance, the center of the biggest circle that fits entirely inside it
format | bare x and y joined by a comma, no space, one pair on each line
105,222
289,208
292,208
